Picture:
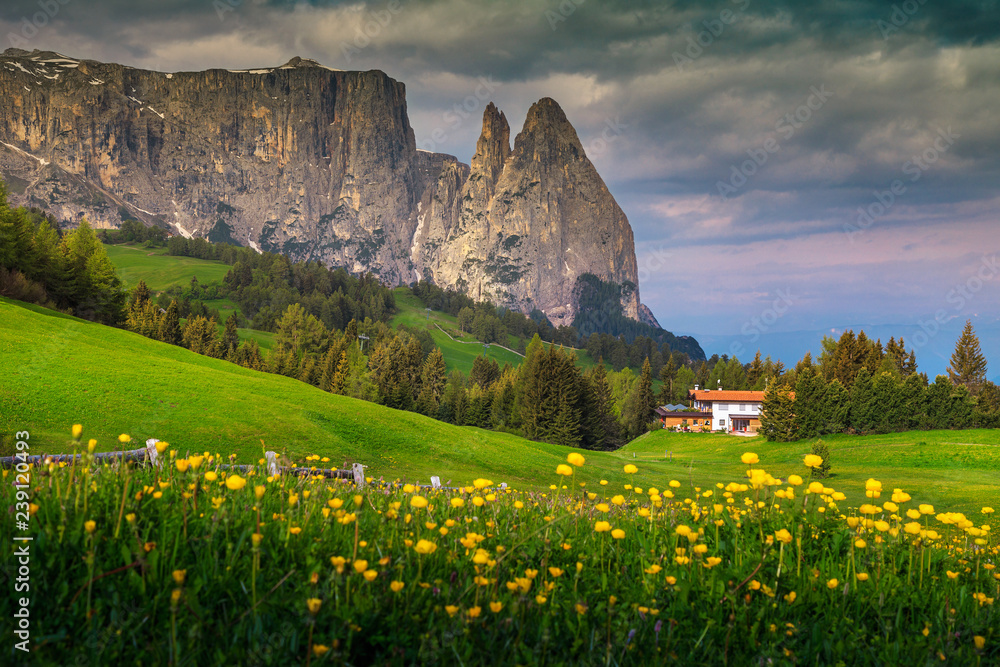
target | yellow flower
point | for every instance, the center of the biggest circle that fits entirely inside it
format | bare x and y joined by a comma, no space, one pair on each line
295,530
457,502
313,604
360,566
951,575
783,536
418,501
77,431
473,612
712,561
575,459
195,461
182,464
790,598
175,596
602,527
540,599
987,510
370,575
396,586
832,583
495,607
90,526
256,539
618,500
320,649
235,482
631,469
860,544
564,470
451,609
130,517
425,547
124,438
91,444
555,572
749,458
602,507
210,476
980,642
161,446
795,480
682,530
179,576
482,483
926,509
618,533
812,461
581,609
862,576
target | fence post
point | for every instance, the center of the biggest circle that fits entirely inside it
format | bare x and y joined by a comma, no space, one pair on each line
435,481
359,475
272,463
152,455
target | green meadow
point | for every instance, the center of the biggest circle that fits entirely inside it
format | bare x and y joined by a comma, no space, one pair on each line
62,371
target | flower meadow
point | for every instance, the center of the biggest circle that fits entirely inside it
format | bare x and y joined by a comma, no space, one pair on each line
197,563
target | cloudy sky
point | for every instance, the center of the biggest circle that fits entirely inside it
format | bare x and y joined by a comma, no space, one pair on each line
786,166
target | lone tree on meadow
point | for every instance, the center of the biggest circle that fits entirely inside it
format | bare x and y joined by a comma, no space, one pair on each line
968,365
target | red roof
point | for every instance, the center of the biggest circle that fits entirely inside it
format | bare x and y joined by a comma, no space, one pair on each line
728,396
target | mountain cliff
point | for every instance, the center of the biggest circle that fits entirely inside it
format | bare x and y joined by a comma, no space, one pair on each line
319,164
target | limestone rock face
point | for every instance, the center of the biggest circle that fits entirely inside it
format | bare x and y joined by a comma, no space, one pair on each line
318,164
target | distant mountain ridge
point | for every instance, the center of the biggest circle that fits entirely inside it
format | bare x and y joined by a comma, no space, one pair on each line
319,164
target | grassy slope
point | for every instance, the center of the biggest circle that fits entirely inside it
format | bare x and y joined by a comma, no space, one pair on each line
69,371
159,270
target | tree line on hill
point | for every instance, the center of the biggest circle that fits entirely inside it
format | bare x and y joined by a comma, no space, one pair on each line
68,271
860,387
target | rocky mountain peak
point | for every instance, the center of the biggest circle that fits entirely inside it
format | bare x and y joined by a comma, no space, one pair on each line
493,147
317,164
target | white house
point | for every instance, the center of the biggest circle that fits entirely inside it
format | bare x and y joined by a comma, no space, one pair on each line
732,411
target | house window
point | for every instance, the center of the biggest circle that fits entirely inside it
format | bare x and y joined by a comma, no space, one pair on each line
743,408
722,422
708,422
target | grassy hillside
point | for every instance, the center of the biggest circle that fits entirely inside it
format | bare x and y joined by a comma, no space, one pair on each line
160,270
68,371
61,371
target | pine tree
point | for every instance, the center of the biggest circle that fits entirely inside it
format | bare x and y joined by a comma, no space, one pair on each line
667,374
887,397
968,365
432,383
169,330
755,373
604,427
230,338
777,419
809,395
338,381
864,410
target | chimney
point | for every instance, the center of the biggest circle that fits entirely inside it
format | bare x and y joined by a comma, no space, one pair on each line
696,387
